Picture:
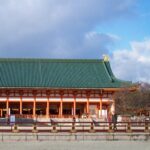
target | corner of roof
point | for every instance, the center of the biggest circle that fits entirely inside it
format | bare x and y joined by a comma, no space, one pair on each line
105,58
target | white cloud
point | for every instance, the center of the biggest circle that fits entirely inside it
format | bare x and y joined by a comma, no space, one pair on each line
57,28
133,64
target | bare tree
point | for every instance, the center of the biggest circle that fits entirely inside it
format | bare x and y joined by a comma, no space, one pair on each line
132,102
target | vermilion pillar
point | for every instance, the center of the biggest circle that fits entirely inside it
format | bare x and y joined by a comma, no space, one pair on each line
47,108
1,112
7,106
74,105
61,106
87,103
34,107
20,105
100,106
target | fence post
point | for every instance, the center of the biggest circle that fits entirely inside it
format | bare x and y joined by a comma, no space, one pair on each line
34,130
2,137
54,130
110,127
146,127
92,130
15,128
73,130
128,127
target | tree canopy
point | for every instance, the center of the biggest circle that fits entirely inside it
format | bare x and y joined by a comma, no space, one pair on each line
132,103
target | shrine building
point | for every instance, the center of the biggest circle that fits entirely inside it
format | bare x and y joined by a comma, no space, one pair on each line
57,88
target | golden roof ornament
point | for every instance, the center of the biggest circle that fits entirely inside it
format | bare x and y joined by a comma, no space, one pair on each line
106,58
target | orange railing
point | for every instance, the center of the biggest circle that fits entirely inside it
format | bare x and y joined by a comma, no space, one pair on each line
43,116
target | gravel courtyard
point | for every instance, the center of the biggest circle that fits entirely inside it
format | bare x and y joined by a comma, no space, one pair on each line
75,145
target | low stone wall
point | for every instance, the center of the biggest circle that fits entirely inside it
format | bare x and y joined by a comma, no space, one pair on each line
74,137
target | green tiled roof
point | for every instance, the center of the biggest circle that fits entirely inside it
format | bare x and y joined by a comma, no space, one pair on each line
57,73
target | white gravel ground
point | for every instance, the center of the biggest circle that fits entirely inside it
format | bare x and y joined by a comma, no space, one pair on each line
76,145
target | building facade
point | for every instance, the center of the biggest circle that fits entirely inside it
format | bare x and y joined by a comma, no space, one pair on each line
57,88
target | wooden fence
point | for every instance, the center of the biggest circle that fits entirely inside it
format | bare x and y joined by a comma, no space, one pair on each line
74,126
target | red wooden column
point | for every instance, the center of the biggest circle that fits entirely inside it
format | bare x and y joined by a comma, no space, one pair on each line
20,105
34,107
7,104
21,95
100,106
47,108
48,105
34,104
87,103
1,112
74,103
61,104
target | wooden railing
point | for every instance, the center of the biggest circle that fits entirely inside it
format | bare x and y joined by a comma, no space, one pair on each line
63,116
73,126
24,116
43,116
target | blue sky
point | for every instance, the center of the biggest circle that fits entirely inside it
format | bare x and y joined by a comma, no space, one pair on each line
131,28
79,29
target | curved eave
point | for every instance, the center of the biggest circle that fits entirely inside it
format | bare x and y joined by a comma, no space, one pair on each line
131,88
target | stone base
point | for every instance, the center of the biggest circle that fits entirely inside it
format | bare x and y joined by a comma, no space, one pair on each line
111,131
54,131
35,131
15,131
92,131
147,131
128,131
73,131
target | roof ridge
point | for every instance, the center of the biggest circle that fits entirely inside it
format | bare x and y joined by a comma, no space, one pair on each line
49,60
